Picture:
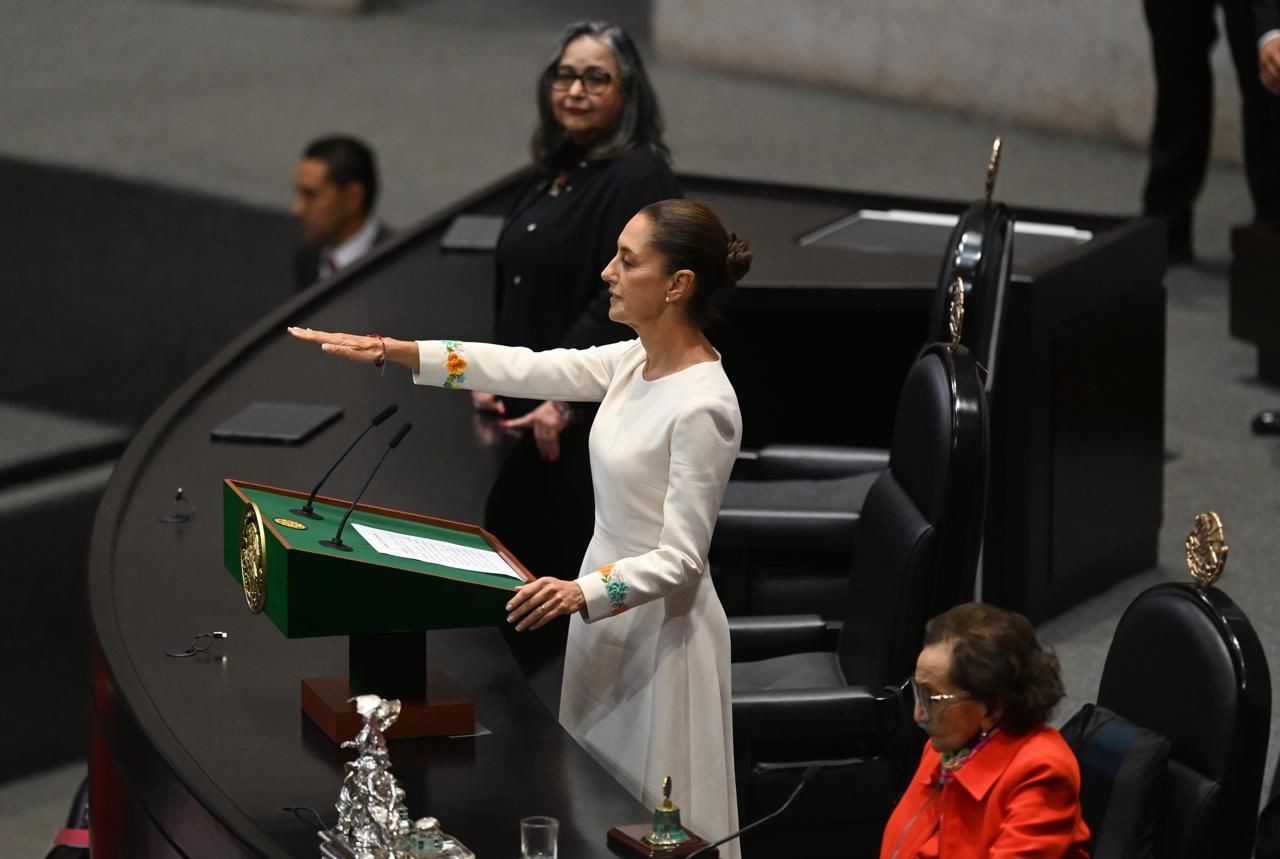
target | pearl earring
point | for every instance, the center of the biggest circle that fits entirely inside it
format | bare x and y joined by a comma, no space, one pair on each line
668,299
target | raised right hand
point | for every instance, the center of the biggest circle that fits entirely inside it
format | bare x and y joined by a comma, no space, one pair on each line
363,349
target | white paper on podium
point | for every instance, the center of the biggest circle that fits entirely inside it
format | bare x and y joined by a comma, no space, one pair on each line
436,552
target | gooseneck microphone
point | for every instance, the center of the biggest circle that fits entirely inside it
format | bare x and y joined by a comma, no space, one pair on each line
336,542
809,773
306,510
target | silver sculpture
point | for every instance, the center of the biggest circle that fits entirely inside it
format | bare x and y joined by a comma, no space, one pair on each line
373,821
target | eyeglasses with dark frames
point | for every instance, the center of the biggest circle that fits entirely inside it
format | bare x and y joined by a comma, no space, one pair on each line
199,644
595,80
927,701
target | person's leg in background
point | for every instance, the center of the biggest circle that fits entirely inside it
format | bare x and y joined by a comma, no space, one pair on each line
1260,115
1182,35
1260,131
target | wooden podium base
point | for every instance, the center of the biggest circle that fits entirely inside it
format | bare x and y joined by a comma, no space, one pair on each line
443,713
629,839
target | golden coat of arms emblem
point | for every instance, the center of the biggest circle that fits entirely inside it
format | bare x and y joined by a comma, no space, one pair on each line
253,558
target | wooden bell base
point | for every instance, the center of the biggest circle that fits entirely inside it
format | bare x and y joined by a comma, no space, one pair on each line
442,713
629,839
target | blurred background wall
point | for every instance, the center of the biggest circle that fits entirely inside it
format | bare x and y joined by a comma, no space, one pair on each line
1082,66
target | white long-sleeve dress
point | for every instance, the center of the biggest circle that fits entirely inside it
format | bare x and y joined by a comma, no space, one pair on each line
646,676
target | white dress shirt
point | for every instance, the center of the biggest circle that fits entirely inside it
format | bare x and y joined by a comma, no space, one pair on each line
353,248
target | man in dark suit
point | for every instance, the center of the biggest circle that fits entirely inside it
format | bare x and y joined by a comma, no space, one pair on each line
1182,35
335,188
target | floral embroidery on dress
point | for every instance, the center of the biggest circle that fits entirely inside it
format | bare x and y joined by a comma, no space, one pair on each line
615,587
454,363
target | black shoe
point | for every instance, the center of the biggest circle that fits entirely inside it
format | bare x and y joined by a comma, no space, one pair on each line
1267,422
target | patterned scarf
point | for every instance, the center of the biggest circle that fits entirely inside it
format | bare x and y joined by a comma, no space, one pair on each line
953,761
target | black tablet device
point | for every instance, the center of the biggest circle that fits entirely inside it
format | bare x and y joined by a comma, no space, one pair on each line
277,423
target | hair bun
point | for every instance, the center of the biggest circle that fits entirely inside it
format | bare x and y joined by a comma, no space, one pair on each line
737,261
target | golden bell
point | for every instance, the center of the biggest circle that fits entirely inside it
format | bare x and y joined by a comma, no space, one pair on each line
667,831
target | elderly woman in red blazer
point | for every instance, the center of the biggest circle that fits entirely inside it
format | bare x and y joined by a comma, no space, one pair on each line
994,779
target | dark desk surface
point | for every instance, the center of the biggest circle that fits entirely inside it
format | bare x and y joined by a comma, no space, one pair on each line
211,749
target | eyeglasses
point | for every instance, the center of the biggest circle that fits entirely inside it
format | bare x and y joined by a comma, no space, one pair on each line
199,644
595,80
927,701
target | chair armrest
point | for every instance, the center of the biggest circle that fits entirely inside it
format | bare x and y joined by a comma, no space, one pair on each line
845,711
817,530
766,636
815,462
745,465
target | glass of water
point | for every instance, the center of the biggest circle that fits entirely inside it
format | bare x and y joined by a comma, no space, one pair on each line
538,837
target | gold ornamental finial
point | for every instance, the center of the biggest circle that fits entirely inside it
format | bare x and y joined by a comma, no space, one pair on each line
993,168
955,316
666,793
1207,550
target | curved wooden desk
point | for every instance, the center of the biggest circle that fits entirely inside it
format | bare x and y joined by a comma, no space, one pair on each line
198,756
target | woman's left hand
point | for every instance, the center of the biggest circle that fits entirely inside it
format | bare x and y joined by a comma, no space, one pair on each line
547,422
543,600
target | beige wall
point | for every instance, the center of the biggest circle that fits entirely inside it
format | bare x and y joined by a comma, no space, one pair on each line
1077,65
339,6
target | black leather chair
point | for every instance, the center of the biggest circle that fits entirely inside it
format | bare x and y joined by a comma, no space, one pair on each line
789,518
1268,846
1185,663
795,701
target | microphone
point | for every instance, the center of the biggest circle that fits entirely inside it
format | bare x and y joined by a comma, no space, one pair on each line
336,542
809,773
306,510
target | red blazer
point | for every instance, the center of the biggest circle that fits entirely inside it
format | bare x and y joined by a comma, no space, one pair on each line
1017,797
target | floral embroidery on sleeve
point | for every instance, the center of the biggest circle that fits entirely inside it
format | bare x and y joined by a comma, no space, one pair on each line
615,587
454,363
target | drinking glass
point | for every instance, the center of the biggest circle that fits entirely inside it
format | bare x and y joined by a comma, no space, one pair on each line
538,837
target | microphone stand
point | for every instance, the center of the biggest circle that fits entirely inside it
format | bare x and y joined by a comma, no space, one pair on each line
809,773
336,542
307,510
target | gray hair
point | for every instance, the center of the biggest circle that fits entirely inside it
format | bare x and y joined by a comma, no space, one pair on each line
640,121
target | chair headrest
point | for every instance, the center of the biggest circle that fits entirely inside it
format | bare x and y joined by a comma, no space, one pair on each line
1167,660
923,433
980,253
941,415
990,224
1187,662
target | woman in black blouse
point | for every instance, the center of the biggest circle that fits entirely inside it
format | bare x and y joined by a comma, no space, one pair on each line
598,158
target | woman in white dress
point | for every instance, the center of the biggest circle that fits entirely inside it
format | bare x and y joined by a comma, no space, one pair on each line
646,679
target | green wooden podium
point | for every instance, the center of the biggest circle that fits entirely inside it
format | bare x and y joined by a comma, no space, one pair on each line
384,604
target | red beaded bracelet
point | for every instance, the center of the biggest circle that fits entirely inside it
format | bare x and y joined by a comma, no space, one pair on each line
381,361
